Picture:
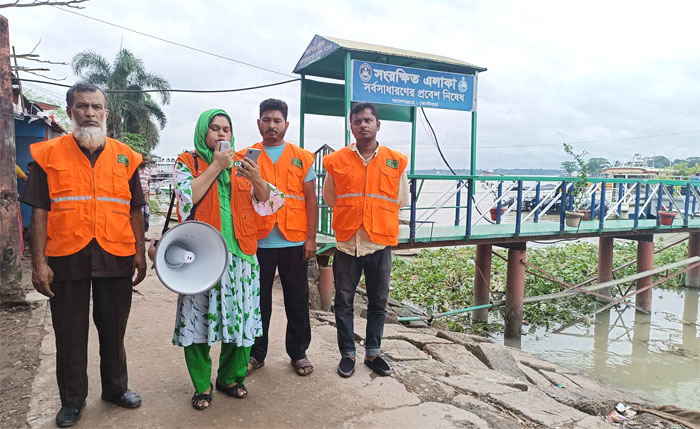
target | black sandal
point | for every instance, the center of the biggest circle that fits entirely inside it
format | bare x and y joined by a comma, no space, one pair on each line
233,390
202,397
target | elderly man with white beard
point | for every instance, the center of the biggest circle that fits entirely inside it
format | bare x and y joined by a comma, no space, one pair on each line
87,234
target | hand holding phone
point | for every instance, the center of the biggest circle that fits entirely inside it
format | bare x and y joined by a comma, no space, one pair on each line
244,168
223,155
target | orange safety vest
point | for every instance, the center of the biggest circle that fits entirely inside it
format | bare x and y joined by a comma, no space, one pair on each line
88,202
242,211
366,195
288,175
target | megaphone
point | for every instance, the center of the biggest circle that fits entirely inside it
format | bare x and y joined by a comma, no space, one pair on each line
191,257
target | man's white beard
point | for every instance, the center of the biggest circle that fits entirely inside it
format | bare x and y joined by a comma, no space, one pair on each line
91,138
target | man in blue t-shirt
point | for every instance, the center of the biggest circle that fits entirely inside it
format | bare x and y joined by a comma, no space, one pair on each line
287,239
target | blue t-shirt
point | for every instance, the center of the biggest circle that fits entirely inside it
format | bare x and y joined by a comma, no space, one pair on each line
276,239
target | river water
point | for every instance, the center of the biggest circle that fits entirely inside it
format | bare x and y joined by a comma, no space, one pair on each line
656,357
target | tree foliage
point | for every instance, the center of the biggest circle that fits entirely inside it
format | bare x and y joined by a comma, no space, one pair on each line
596,165
136,141
658,162
133,112
681,169
569,167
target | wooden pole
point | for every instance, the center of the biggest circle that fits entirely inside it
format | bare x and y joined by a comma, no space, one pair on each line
10,272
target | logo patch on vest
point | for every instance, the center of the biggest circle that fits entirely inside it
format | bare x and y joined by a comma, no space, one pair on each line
297,162
392,163
123,159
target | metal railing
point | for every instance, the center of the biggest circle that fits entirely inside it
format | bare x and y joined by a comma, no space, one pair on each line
520,200
492,198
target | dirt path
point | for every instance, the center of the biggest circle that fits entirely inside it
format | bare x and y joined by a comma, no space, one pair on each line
441,380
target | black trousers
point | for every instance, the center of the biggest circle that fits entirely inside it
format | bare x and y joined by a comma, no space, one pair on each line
70,307
295,287
347,271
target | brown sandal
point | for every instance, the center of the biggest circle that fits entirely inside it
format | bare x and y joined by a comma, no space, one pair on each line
303,367
254,364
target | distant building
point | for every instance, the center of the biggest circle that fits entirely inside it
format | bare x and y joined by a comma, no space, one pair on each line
165,165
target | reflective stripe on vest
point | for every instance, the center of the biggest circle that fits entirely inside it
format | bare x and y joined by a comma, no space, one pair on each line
59,199
382,197
348,195
114,200
295,197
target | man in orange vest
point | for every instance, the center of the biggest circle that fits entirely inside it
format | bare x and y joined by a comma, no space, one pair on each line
286,239
87,234
366,186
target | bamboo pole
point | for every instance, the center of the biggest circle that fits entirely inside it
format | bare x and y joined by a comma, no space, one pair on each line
616,282
551,278
689,266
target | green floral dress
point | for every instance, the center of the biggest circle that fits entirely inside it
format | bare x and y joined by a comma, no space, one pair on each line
230,311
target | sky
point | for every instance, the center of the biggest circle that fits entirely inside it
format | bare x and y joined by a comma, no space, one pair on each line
613,78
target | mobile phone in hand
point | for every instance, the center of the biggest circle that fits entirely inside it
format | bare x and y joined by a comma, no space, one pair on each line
252,154
224,145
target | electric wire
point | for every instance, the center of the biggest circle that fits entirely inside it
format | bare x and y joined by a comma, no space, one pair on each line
196,91
174,43
437,145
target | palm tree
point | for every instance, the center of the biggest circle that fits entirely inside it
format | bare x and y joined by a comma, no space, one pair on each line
132,112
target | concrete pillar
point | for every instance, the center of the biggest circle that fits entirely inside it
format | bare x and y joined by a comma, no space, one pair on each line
605,263
692,276
645,262
482,282
515,291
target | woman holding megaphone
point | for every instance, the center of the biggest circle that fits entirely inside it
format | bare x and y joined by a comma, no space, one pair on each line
207,191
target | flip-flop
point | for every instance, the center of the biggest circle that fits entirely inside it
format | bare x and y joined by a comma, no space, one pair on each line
301,365
254,364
